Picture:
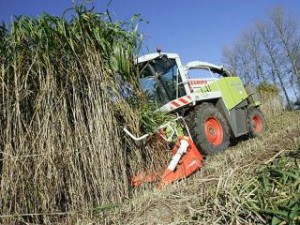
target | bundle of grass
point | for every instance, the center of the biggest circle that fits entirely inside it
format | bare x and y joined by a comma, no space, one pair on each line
270,98
156,153
66,92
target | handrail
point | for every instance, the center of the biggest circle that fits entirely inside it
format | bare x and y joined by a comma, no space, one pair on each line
170,125
134,137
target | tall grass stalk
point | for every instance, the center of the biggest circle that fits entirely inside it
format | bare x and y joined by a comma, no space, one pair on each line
62,113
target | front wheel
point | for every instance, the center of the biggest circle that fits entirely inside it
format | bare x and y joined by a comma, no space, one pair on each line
256,122
209,129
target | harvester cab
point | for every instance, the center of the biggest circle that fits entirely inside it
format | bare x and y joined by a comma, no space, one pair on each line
216,108
164,78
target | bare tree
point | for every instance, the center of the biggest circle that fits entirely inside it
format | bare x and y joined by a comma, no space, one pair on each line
253,45
285,27
237,60
230,58
269,51
293,81
274,54
246,57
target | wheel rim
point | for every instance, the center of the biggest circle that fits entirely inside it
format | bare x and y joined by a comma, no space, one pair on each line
213,131
257,123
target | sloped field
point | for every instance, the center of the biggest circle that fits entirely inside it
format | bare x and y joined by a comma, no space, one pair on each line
67,89
234,187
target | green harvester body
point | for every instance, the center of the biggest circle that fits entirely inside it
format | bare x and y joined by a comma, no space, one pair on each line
216,105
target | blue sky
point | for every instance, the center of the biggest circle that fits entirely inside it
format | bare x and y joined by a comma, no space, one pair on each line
195,29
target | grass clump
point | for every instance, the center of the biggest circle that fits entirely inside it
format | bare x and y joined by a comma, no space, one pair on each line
267,87
66,92
272,104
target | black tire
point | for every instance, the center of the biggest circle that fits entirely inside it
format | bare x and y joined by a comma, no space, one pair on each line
208,129
256,122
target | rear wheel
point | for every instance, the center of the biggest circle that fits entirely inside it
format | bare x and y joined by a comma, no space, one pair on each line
208,128
256,122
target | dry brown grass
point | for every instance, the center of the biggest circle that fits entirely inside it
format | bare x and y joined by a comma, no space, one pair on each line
63,151
272,104
217,194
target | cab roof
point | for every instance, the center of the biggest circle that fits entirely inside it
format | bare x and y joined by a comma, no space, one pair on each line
152,56
191,65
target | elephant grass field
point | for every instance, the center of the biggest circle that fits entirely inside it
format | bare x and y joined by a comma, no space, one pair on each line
64,103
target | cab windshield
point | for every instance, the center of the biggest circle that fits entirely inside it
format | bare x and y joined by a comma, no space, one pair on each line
159,78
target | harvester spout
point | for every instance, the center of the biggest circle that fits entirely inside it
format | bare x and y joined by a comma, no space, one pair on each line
175,159
185,161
